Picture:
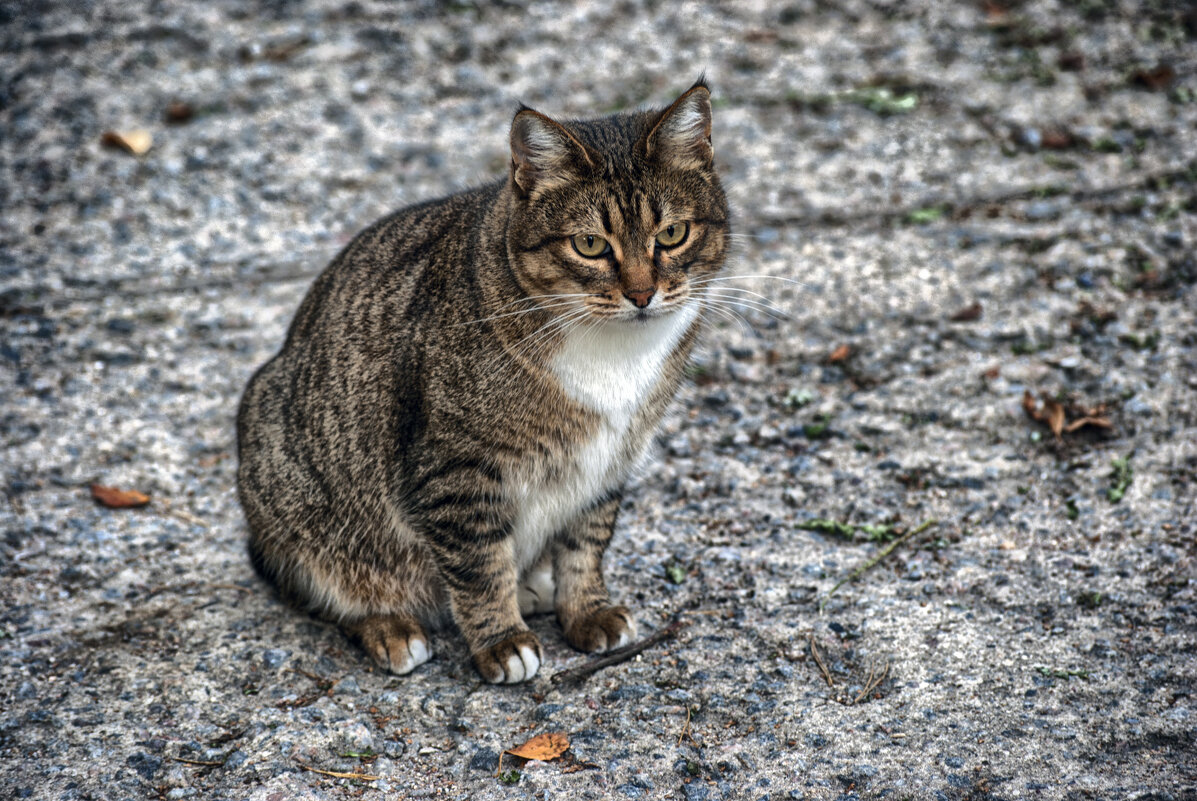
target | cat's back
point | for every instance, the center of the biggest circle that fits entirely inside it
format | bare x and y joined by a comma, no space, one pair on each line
396,274
357,340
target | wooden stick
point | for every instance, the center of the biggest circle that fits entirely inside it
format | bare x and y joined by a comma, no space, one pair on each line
198,762
579,674
886,551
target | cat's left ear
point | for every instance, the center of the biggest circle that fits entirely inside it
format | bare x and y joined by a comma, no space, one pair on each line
682,134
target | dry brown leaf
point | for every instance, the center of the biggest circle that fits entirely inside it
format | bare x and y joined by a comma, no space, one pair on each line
840,353
1099,422
993,372
1057,139
542,747
136,142
1156,79
968,313
115,498
178,112
1052,413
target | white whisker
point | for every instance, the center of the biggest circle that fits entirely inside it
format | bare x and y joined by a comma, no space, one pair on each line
724,300
517,312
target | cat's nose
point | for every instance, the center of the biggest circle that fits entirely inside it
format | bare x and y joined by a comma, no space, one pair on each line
641,299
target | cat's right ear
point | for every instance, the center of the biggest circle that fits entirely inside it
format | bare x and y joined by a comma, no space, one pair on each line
544,154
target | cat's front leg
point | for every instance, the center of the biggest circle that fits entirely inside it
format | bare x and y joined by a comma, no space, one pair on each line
591,622
476,561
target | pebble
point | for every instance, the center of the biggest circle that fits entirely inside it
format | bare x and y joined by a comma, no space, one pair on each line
275,657
768,435
485,760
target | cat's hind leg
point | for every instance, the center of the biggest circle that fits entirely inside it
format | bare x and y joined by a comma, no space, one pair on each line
397,643
537,589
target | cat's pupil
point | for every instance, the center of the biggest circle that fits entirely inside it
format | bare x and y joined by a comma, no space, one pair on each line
669,232
590,243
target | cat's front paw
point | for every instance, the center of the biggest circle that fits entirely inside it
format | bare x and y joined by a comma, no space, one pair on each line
605,630
397,643
510,661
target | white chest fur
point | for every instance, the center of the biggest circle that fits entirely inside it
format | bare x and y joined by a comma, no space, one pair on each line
610,369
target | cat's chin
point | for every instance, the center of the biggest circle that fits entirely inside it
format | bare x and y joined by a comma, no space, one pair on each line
649,315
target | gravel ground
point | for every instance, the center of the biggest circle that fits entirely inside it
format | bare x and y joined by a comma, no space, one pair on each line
969,201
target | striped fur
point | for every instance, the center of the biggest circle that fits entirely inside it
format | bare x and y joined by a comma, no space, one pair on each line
461,396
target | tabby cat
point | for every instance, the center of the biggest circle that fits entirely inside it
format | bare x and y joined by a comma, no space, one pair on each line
464,391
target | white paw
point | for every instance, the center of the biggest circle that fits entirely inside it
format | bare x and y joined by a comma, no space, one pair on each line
521,665
408,659
625,638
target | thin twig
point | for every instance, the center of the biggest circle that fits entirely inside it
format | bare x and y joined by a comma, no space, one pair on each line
316,677
886,551
186,517
873,682
198,762
819,661
580,674
685,728
366,777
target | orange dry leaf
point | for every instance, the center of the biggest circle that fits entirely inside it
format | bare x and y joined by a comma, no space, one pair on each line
1052,415
115,498
543,747
136,142
1099,422
840,353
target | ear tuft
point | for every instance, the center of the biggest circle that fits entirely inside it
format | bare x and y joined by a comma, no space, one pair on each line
682,134
543,153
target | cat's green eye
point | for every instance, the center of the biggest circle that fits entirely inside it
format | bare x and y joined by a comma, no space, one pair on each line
673,235
589,245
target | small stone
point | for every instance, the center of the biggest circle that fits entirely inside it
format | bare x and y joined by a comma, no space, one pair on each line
485,760
121,325
546,711
794,496
355,736
346,686
275,657
145,764
717,398
767,435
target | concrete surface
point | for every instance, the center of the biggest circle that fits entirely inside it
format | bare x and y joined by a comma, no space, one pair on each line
896,162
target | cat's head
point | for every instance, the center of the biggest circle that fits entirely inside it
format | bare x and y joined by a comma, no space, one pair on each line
619,218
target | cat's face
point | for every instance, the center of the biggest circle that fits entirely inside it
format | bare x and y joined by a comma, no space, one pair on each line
618,219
